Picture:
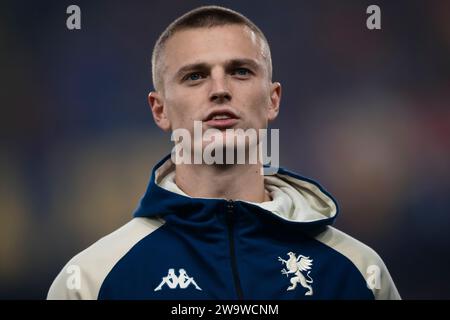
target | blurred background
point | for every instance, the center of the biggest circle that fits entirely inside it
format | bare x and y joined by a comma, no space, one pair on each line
365,113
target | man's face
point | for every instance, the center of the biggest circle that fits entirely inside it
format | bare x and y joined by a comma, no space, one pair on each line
218,76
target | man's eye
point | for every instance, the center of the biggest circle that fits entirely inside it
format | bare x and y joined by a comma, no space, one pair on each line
194,76
241,72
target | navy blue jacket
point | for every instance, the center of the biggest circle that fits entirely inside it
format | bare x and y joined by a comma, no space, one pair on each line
179,247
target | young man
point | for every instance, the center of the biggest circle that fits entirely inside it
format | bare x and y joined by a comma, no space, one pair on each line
223,231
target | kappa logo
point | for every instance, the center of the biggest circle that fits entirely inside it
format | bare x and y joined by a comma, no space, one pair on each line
295,266
172,281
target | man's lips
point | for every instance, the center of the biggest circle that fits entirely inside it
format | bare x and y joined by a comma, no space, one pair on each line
221,118
222,123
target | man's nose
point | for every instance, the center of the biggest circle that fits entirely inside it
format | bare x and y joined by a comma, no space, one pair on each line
220,92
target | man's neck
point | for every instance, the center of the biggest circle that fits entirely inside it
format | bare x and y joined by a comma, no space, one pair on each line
243,182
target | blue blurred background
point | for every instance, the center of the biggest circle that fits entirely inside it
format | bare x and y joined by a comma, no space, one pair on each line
366,113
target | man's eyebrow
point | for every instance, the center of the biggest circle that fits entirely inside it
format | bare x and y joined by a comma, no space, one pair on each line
233,63
191,67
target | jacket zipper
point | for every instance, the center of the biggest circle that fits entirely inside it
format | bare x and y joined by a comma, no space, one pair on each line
230,222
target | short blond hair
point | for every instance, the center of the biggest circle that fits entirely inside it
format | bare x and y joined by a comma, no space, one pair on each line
204,17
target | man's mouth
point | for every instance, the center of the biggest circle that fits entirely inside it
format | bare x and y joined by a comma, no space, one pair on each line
221,119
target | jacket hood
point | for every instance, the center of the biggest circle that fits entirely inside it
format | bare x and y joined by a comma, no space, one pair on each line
295,199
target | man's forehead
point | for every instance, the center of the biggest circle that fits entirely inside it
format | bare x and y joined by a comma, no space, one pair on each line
228,41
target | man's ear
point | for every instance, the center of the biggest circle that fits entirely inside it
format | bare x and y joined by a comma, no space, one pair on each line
157,105
275,98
